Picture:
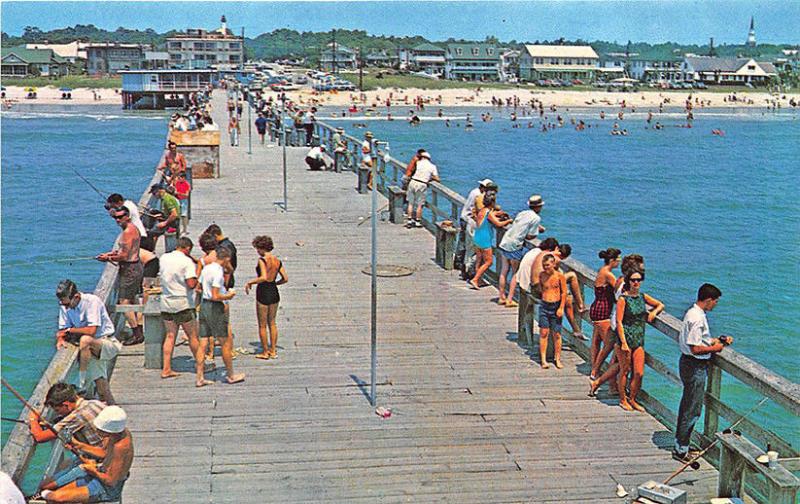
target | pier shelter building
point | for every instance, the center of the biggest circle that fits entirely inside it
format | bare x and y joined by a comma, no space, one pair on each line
558,62
157,89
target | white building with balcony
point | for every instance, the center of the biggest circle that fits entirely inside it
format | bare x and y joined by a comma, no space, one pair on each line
199,48
478,62
558,62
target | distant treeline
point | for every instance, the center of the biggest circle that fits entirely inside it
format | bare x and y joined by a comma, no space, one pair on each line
283,43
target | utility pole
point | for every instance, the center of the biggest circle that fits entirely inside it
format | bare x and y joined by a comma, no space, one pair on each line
283,129
333,66
361,69
241,60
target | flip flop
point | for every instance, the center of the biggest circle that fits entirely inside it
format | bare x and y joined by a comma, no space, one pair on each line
473,286
238,379
264,356
172,374
203,383
511,304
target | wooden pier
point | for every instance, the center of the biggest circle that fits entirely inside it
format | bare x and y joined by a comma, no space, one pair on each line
474,418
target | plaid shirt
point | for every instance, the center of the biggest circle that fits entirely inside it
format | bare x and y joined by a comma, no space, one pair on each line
80,422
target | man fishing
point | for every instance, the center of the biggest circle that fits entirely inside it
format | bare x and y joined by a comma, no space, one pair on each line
83,321
131,270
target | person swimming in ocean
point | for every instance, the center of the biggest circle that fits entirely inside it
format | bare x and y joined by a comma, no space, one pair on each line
415,120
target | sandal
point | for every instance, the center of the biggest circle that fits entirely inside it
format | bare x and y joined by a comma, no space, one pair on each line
510,303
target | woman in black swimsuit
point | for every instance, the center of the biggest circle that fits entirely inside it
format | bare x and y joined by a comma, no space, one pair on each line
267,296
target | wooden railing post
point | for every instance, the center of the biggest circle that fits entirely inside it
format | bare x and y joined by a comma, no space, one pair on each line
396,198
713,387
445,245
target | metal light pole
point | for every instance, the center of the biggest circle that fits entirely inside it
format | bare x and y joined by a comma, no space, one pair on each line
283,128
249,125
374,274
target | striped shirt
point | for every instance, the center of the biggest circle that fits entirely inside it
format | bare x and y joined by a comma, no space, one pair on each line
80,422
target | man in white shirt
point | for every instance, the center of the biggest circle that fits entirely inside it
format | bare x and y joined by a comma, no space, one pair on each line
526,226
178,275
696,346
214,315
314,158
418,186
83,321
467,225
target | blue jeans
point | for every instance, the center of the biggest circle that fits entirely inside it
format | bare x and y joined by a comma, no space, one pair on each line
693,375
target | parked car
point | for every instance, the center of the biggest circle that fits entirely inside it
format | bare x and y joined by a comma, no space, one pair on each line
577,82
700,85
300,79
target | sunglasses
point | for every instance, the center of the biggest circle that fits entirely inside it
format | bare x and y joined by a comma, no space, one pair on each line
639,280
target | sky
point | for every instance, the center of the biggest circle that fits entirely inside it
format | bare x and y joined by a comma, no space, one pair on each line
682,21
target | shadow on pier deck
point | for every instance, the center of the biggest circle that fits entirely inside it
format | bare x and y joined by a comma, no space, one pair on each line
474,418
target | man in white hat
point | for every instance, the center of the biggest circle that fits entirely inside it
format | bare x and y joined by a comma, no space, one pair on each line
91,482
424,172
468,224
526,226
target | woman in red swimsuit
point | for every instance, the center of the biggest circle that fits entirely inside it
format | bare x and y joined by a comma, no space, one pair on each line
600,311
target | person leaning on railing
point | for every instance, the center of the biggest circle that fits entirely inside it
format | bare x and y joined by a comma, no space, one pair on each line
696,346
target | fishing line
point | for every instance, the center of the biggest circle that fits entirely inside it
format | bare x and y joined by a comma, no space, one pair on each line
90,184
46,261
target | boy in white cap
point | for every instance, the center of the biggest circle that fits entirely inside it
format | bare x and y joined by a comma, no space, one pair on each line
91,482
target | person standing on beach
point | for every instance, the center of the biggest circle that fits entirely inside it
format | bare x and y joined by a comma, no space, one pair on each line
526,226
178,275
131,270
83,321
424,172
215,313
553,287
267,296
696,346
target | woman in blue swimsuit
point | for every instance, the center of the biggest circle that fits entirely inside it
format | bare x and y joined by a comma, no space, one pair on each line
484,237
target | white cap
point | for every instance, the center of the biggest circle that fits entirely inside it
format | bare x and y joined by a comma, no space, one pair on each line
112,419
485,182
425,155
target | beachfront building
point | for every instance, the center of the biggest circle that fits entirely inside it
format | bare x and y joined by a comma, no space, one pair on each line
713,70
155,60
558,62
509,64
380,59
427,58
477,62
23,62
157,89
74,52
200,48
338,57
642,69
110,57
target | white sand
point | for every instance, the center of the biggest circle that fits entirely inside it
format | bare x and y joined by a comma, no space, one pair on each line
50,95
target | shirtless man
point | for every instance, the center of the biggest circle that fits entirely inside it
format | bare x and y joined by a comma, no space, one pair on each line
90,482
561,252
554,295
131,269
173,163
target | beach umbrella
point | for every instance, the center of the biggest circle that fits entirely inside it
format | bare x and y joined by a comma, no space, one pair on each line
65,90
30,89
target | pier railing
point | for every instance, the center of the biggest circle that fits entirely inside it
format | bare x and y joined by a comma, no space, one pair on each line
20,447
726,366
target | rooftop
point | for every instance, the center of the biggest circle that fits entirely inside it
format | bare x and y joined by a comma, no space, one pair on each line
559,51
36,56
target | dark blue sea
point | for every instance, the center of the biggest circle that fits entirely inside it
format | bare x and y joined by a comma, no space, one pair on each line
698,207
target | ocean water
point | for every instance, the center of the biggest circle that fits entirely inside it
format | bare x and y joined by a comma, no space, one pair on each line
53,223
699,207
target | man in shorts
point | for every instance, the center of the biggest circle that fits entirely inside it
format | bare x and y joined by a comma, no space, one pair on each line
131,270
214,315
527,304
83,321
424,172
526,226
554,296
178,275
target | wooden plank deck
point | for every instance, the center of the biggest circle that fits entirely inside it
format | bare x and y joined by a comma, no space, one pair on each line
474,417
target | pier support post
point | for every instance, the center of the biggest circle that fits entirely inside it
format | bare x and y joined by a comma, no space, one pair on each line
363,178
396,198
445,245
526,314
153,334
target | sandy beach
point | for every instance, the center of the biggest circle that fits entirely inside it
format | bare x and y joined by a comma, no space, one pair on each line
465,97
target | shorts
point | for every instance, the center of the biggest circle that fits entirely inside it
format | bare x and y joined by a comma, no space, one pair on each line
180,317
98,367
548,318
213,319
514,256
416,193
151,268
130,280
97,491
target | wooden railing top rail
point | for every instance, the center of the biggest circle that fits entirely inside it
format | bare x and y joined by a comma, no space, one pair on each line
20,447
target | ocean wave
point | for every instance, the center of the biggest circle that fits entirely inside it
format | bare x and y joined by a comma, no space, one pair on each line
23,115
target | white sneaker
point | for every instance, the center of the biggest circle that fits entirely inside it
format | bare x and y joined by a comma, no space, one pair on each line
417,224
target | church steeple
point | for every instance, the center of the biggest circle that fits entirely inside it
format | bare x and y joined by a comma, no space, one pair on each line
751,36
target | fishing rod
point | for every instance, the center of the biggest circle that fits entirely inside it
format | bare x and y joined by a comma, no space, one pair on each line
694,464
42,420
17,420
47,261
90,184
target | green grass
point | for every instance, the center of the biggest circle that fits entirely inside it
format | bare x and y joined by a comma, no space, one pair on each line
70,81
405,81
